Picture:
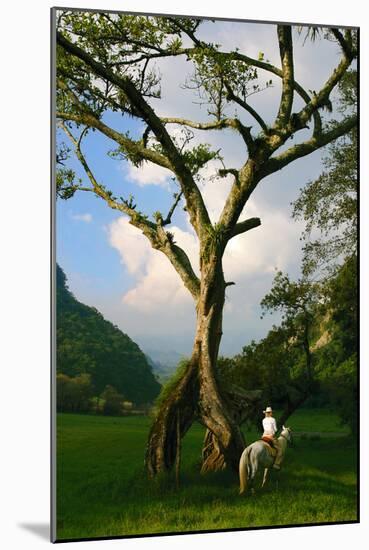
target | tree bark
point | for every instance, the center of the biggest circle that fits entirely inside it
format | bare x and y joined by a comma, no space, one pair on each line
214,410
243,405
198,394
176,414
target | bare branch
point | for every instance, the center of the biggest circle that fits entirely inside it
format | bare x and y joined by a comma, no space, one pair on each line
232,97
105,98
223,173
244,226
286,53
322,97
168,219
188,32
215,125
345,44
278,72
302,149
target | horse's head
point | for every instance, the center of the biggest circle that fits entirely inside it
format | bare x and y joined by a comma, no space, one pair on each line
287,433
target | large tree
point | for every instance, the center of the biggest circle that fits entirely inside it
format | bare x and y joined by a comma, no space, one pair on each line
105,63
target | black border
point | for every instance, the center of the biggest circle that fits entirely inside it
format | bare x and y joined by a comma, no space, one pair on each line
53,457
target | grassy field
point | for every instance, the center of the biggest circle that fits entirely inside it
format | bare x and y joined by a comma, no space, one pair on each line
102,490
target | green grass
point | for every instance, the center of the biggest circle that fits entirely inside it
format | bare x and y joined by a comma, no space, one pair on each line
102,490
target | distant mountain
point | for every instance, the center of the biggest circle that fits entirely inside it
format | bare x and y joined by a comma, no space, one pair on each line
163,362
86,342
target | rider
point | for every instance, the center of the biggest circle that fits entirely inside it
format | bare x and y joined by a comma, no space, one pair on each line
270,429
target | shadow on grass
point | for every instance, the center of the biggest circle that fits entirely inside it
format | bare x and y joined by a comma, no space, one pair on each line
200,489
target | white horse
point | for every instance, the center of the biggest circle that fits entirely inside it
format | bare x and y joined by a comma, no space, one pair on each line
257,456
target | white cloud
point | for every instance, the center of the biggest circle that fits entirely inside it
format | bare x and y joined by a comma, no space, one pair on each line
149,174
87,218
156,282
214,190
273,244
133,247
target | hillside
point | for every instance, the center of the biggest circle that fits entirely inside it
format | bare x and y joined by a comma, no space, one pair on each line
88,343
163,363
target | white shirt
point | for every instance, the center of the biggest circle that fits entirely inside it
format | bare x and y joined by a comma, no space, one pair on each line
269,425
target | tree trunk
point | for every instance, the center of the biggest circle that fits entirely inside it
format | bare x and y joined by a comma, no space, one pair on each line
214,410
197,394
176,414
243,405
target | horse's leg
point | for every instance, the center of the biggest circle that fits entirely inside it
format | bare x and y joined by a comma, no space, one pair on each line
265,477
253,470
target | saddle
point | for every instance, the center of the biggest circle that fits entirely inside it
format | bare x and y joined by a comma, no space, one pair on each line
270,445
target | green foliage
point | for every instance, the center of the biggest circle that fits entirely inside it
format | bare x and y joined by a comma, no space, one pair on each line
73,393
134,156
131,38
329,204
290,297
343,300
300,304
214,72
216,233
268,365
113,401
337,361
198,156
170,384
277,364
87,343
66,183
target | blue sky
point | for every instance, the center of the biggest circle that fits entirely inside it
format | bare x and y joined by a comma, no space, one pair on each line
110,265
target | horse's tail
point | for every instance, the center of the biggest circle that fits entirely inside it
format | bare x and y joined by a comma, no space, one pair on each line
244,469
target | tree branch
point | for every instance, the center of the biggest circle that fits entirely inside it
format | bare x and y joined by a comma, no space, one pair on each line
278,72
158,238
105,98
189,33
286,53
232,97
223,173
168,219
345,44
233,123
244,226
139,221
302,149
215,125
87,117
322,97
195,204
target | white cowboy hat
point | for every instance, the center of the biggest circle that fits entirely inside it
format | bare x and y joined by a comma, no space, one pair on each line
268,410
